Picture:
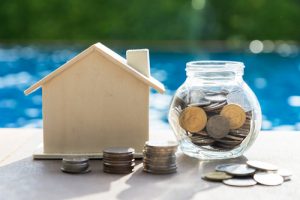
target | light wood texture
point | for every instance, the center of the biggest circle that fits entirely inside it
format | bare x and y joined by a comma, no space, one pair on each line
24,178
139,59
96,100
110,55
92,106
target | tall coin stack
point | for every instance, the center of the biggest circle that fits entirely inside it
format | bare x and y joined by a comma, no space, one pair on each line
159,157
118,160
75,165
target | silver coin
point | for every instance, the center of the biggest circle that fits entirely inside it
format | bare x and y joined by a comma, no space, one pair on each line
159,167
222,167
118,150
229,142
178,102
75,159
262,165
161,144
74,171
215,106
162,164
239,97
163,156
235,138
270,179
202,140
160,149
285,173
113,171
200,103
195,95
239,170
160,171
217,127
245,182
215,98
202,133
78,166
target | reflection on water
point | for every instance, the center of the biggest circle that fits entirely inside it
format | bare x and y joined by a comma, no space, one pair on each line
273,77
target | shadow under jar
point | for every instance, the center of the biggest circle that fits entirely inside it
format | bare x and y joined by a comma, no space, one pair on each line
214,114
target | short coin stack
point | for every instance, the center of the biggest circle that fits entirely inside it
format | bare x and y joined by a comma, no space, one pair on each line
159,157
242,175
75,165
118,160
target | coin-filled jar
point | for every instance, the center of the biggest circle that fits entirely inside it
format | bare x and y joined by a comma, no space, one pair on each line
214,114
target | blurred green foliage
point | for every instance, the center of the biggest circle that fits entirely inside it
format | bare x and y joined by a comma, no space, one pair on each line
149,20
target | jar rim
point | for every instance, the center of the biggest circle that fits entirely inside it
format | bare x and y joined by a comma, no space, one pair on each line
215,65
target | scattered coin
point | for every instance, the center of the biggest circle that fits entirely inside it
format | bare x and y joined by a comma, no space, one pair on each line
285,173
216,176
222,167
261,165
235,114
217,127
240,182
193,119
239,170
270,179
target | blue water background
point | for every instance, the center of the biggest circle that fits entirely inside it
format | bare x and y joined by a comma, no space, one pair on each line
273,77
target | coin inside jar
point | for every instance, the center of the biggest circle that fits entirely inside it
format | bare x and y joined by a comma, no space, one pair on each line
193,119
235,114
217,127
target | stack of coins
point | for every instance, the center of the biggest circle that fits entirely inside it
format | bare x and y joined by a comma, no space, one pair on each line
75,165
211,119
249,174
159,157
118,160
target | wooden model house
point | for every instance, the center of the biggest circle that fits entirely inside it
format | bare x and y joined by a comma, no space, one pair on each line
96,100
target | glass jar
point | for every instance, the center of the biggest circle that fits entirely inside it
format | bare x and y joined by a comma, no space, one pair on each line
214,114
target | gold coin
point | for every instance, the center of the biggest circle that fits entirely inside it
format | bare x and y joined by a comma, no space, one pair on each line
235,114
193,119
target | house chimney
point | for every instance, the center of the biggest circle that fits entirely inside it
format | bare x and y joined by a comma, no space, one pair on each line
139,60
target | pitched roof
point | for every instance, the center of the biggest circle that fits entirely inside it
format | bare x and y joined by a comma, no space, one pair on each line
109,54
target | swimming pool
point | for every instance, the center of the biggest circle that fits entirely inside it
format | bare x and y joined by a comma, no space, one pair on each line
273,77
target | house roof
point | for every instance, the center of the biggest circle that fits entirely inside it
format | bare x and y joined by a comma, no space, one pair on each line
109,54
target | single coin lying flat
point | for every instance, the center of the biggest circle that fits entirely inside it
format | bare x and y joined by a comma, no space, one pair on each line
269,179
285,173
239,170
222,167
216,176
261,165
245,182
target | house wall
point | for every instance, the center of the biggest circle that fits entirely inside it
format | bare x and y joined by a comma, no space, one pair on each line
92,105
